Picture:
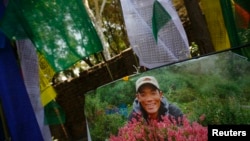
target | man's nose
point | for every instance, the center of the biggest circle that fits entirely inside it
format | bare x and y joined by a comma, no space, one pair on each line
148,98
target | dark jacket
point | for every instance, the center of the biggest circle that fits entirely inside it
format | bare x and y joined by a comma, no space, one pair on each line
165,109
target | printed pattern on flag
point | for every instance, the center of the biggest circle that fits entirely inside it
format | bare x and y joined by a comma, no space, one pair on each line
172,43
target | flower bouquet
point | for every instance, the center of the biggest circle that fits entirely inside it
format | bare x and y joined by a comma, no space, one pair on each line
165,130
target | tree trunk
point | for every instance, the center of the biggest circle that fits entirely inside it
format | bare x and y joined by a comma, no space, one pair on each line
98,24
199,27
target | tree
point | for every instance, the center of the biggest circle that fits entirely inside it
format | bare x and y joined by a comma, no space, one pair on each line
108,18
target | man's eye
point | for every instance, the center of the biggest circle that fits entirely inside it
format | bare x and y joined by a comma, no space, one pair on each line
154,93
142,94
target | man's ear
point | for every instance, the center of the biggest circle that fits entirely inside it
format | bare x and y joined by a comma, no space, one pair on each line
137,96
161,93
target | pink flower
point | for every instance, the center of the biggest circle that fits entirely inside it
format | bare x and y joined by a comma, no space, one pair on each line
202,117
165,130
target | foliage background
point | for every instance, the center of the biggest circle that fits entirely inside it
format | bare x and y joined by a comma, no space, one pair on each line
216,86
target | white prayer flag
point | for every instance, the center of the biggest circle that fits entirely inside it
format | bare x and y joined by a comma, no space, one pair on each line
170,43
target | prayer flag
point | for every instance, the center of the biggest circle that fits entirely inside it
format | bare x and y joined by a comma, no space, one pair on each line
61,30
54,113
28,61
155,32
160,18
18,111
236,17
46,74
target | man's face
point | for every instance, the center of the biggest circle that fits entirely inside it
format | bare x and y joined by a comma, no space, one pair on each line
150,99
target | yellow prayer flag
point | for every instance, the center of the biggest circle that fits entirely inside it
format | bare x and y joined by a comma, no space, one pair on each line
47,95
213,13
46,74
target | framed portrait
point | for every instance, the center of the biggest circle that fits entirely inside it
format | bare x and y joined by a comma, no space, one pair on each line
214,87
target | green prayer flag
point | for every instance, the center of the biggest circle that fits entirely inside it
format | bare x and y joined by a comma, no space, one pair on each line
237,16
61,30
159,19
54,114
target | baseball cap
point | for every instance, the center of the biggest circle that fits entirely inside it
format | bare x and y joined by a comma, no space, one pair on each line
146,80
